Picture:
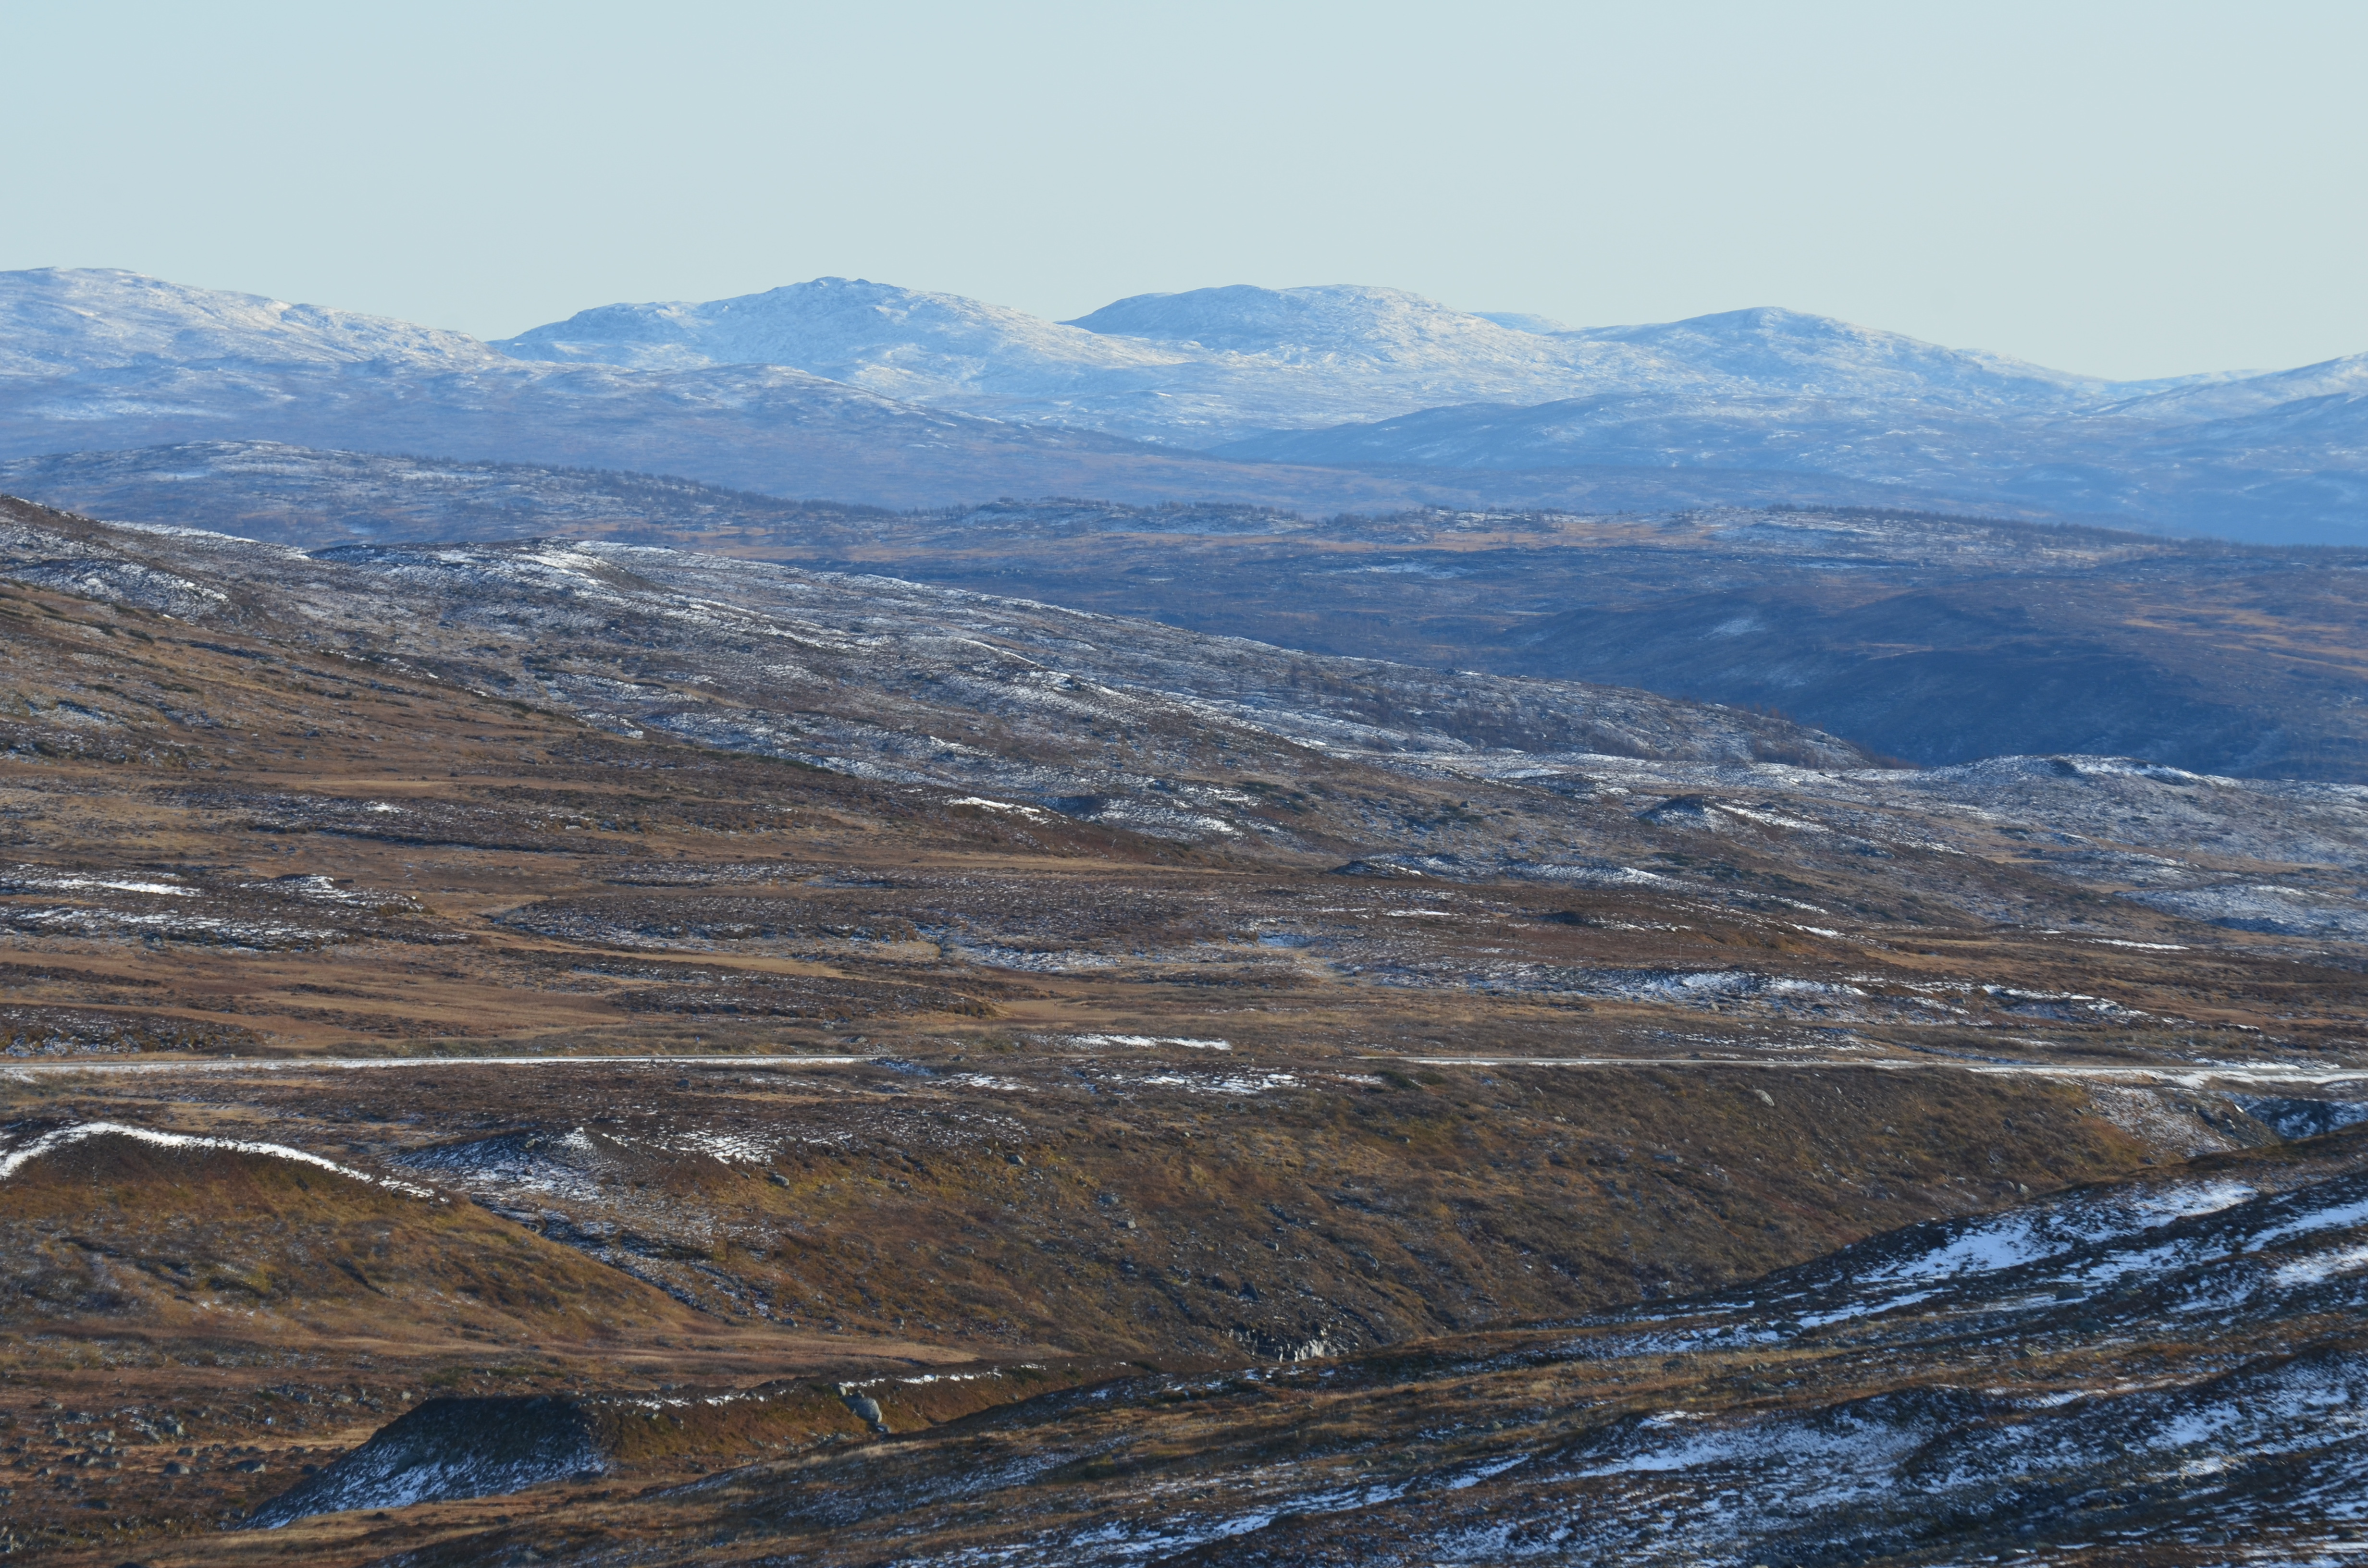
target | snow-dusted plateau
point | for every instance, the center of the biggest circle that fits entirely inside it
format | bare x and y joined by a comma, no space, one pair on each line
1515,943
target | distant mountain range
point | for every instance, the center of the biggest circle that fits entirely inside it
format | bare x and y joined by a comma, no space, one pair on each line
1218,364
1323,399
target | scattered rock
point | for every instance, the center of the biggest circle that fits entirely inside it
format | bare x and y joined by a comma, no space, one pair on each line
867,1409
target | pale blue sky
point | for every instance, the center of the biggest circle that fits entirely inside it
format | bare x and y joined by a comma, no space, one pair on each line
2120,189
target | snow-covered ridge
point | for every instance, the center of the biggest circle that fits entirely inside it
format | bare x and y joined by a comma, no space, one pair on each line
1194,365
58,321
2228,397
1777,350
893,340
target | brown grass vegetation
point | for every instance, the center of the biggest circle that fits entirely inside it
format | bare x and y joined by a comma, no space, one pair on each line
1395,1455
883,1137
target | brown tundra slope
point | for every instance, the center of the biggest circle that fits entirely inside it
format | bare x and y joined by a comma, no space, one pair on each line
2162,1370
1943,640
731,988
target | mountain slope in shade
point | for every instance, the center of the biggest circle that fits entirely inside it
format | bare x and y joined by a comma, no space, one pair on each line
1337,320
2293,472
767,429
1523,321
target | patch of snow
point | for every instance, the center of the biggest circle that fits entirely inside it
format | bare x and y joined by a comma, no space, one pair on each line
1142,1039
2321,1267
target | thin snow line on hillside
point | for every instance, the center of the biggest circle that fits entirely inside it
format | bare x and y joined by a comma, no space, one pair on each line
358,1063
64,1137
2195,1078
2189,1078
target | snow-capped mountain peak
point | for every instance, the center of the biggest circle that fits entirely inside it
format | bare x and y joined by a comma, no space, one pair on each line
901,342
57,321
1770,349
2234,395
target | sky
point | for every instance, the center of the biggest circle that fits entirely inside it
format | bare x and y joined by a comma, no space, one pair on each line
2126,190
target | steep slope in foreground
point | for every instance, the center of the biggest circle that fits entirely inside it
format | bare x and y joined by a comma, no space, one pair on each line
2148,1371
255,1309
158,1232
